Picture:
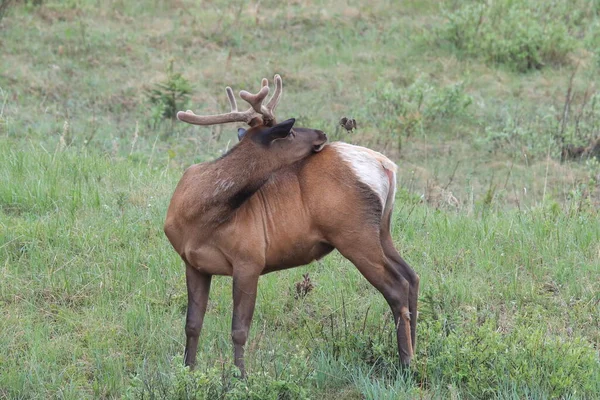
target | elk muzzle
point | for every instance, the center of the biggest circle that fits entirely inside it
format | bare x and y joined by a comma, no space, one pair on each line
320,142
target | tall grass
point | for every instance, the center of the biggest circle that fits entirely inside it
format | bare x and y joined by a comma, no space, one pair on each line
94,296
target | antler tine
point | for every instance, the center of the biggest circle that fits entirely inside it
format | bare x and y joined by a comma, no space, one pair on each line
194,119
231,98
233,116
255,100
274,101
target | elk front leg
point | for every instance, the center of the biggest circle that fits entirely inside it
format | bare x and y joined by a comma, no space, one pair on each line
198,286
244,300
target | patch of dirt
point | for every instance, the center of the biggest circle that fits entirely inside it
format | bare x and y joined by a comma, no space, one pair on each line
52,15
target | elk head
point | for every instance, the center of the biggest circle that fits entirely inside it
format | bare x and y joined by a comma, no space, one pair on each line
283,143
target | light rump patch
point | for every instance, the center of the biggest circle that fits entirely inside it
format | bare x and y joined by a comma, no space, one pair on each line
371,168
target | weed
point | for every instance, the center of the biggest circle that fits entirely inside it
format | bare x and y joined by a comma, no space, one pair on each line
404,112
518,34
566,132
4,4
593,167
518,132
526,360
170,96
213,383
304,287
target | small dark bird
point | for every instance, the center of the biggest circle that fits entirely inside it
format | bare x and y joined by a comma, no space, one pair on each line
348,123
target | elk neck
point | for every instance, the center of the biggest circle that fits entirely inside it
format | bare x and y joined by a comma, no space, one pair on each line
240,173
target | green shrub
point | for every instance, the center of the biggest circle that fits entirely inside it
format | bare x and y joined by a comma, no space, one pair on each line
557,132
522,35
4,7
483,362
170,96
581,125
516,135
214,383
403,112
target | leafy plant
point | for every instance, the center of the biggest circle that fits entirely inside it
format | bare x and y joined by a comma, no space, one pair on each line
579,124
214,383
4,4
484,362
403,112
521,35
567,132
170,96
516,133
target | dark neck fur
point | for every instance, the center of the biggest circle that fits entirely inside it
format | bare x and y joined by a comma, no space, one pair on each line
234,178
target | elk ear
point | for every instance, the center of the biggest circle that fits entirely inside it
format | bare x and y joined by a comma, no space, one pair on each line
280,131
241,133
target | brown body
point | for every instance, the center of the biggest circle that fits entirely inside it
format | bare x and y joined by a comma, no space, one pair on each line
274,204
284,224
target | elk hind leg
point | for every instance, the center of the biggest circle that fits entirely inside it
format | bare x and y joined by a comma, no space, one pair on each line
380,272
410,275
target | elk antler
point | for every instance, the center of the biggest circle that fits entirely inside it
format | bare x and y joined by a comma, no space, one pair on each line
258,109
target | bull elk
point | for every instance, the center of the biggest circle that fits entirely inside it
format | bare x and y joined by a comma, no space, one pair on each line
282,198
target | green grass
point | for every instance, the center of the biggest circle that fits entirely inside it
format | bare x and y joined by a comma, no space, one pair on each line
505,237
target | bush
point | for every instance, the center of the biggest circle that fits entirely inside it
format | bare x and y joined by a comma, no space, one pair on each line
521,134
4,4
567,132
214,383
402,112
483,362
523,35
170,96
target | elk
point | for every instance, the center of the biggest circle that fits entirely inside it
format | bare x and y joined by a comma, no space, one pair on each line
282,198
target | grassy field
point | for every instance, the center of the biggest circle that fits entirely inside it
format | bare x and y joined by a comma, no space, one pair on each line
490,109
